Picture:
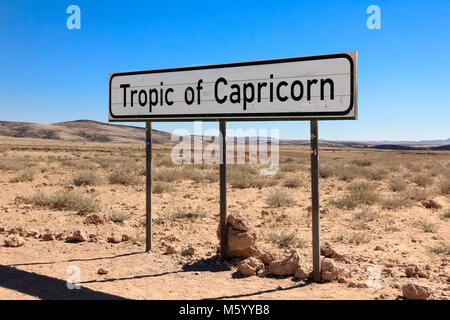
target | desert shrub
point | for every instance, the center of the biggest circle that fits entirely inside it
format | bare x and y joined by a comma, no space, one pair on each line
123,176
446,214
86,178
118,217
416,167
428,227
361,193
166,174
362,163
397,184
358,238
13,164
442,248
417,194
241,179
65,200
279,199
165,163
365,215
374,173
189,172
25,176
394,203
286,240
292,182
391,228
423,180
211,176
289,167
328,170
183,213
444,187
349,172
162,187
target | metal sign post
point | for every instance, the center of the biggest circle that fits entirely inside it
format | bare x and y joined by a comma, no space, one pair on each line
315,210
148,186
223,189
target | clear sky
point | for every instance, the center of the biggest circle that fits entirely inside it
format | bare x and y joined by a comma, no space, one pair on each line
49,73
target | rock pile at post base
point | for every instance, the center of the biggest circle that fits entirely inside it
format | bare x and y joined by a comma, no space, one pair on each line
241,242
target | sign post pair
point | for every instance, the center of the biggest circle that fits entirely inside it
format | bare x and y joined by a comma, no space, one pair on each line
302,88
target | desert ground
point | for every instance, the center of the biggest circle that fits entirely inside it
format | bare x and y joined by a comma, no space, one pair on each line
375,211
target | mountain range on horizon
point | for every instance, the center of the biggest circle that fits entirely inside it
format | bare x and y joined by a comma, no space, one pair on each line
94,131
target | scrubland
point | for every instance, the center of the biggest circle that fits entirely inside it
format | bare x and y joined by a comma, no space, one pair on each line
385,208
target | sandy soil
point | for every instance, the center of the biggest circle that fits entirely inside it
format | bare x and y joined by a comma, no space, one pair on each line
370,234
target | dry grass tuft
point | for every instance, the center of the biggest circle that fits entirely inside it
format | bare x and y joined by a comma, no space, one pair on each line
86,178
293,182
394,203
397,184
429,227
26,176
124,176
65,200
361,193
279,199
162,187
118,217
286,240
442,248
359,238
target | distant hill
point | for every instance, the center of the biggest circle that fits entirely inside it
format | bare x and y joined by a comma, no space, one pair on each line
81,130
93,131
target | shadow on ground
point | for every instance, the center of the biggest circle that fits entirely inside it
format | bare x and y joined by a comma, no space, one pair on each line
46,288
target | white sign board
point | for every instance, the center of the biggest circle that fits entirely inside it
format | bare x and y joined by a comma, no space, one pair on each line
315,87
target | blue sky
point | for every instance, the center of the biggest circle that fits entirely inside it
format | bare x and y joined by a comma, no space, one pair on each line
49,73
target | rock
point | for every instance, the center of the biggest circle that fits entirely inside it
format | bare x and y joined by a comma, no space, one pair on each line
250,266
285,267
31,233
14,240
19,231
301,273
413,291
327,250
267,257
378,248
171,250
61,236
331,270
431,204
94,219
125,238
415,271
262,273
113,238
102,271
49,236
351,284
241,243
238,223
188,252
78,236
